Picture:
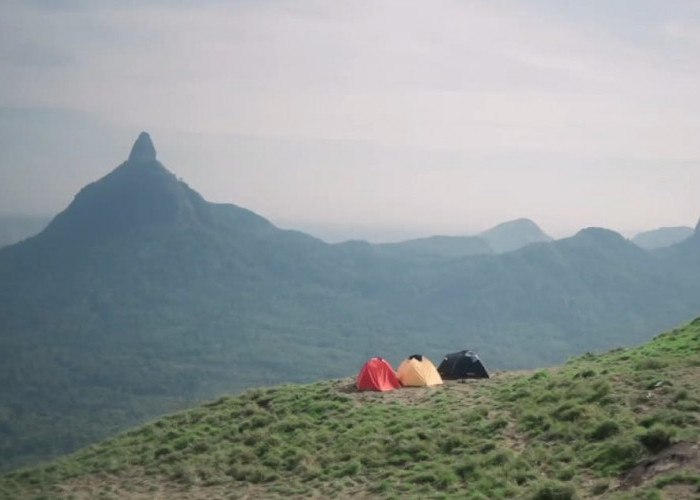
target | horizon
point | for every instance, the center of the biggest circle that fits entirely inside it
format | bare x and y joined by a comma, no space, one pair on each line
384,122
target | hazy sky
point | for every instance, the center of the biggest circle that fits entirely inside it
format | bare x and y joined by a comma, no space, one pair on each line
373,119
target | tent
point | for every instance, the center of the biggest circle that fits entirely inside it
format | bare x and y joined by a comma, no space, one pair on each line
463,364
418,371
377,375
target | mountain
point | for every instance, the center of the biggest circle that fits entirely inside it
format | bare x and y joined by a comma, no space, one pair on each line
513,235
505,237
662,237
622,424
14,228
142,298
437,247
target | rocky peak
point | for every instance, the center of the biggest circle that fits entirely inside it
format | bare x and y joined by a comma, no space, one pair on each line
143,149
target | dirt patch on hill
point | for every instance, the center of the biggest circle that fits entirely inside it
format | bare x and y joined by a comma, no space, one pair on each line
417,395
681,457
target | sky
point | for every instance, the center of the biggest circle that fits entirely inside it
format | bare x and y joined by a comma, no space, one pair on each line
369,119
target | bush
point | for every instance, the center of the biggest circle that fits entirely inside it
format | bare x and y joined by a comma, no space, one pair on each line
650,364
423,478
446,478
600,390
554,490
600,487
468,468
499,457
669,417
534,422
683,477
616,455
568,412
656,438
163,450
351,468
604,430
539,375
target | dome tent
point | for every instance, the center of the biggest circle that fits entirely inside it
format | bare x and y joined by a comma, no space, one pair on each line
377,375
418,371
462,364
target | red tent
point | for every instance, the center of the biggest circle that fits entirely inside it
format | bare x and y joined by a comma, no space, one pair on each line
377,375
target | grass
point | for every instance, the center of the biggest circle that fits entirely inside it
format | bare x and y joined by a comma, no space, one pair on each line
564,433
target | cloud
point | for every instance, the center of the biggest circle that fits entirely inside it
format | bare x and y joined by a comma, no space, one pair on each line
37,56
540,84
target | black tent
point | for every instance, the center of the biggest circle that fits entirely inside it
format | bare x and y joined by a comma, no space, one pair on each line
463,364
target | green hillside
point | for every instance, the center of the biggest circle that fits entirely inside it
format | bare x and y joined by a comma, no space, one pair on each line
623,424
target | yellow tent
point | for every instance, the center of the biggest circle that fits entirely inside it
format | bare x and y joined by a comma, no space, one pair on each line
418,371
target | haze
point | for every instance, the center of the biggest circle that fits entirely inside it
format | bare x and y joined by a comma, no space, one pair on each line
364,119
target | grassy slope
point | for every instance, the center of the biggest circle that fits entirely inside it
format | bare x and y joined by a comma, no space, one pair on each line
577,431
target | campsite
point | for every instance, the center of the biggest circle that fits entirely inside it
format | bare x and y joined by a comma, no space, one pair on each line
418,371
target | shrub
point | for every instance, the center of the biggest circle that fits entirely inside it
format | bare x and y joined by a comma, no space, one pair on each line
600,487
424,478
568,412
650,364
383,487
687,405
163,450
604,430
549,397
446,478
600,390
539,375
554,490
351,468
656,438
450,443
500,457
680,395
468,468
566,474
616,455
670,417
682,477
534,422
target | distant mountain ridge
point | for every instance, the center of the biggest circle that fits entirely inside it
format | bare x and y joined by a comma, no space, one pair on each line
662,237
513,235
142,297
505,237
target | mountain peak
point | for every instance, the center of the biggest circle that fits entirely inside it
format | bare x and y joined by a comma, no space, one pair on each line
599,233
143,149
514,234
662,237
